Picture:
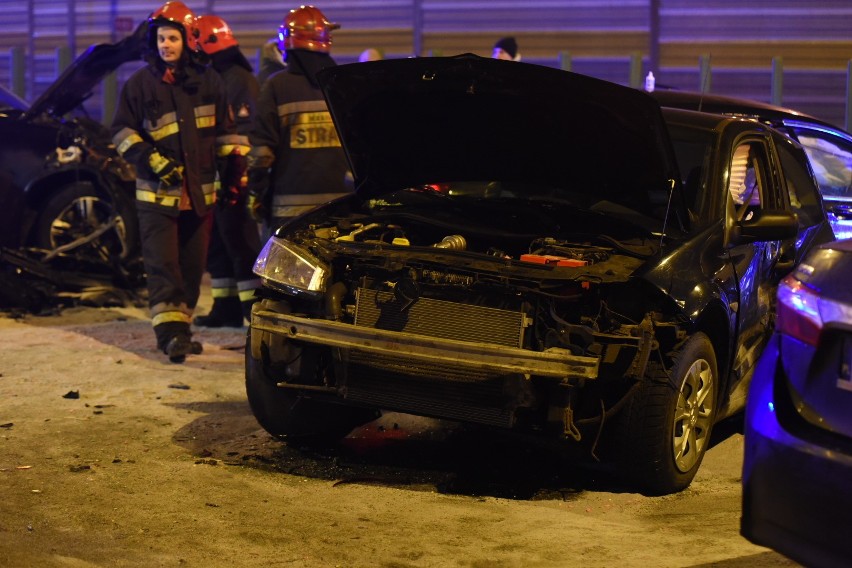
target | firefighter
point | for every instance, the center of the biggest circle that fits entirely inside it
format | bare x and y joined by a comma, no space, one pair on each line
296,161
235,241
171,123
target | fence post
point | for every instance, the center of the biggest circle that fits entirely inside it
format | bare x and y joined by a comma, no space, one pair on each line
848,123
704,74
63,59
110,90
565,60
636,76
18,76
777,80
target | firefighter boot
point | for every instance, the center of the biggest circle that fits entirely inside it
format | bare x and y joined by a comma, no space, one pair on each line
180,346
175,340
226,312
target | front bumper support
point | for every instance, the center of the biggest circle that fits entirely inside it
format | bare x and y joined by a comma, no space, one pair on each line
555,362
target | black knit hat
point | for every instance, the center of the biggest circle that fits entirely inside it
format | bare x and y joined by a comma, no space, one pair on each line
509,45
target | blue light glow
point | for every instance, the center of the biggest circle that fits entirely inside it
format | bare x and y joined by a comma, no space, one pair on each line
771,406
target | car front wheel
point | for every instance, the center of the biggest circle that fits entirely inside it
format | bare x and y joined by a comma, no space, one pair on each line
670,419
291,415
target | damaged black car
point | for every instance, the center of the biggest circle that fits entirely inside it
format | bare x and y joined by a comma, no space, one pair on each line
68,222
532,249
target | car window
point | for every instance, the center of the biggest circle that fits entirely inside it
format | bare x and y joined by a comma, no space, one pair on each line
747,178
804,199
831,159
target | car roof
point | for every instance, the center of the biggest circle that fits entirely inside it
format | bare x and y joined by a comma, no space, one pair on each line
736,106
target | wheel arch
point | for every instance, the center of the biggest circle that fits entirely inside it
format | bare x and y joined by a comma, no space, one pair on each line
38,189
715,324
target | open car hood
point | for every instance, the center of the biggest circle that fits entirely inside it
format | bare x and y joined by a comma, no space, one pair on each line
75,84
408,122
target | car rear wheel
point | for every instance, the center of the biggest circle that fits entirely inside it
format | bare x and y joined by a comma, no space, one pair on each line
78,220
670,419
289,414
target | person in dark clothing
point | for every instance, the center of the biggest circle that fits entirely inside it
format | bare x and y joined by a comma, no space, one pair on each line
506,48
296,161
235,241
171,123
271,61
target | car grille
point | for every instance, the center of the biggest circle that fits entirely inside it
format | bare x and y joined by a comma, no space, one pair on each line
440,318
443,391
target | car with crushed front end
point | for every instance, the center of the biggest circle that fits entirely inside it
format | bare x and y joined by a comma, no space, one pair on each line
68,197
521,251
798,428
828,147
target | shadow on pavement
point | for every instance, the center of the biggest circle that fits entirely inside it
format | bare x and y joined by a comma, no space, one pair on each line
400,450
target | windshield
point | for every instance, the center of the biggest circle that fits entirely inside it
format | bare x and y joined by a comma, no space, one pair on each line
693,148
831,159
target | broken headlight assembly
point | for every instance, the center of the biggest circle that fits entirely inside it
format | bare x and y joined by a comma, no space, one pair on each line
290,268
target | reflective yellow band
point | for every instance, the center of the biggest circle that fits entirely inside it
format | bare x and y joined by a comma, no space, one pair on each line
247,295
229,292
170,316
166,130
205,121
152,197
313,130
129,141
167,118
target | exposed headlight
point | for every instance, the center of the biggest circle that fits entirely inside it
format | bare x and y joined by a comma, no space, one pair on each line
290,268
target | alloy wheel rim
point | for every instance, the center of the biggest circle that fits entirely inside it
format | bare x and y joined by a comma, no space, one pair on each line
693,416
83,217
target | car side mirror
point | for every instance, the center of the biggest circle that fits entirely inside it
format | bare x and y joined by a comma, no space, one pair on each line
764,225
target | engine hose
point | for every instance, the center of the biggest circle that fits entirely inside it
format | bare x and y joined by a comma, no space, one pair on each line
612,411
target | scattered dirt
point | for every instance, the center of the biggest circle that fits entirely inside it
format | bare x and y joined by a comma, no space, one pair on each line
112,456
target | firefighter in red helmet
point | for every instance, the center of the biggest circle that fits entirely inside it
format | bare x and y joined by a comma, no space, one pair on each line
290,172
172,123
234,242
306,28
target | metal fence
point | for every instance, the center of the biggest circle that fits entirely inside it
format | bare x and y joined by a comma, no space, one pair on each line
826,93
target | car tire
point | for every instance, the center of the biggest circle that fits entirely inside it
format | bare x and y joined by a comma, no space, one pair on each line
75,211
291,415
670,419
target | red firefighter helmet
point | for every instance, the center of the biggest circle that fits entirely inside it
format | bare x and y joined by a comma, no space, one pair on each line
214,34
178,14
306,28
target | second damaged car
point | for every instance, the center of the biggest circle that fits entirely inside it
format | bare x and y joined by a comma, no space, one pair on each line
521,251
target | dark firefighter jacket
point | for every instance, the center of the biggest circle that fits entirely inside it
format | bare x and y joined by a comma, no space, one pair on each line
295,137
152,114
242,88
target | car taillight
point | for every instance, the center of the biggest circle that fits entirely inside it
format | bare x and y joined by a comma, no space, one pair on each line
797,313
802,313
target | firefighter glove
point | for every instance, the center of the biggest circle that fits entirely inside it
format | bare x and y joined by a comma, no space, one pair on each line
258,193
169,171
233,180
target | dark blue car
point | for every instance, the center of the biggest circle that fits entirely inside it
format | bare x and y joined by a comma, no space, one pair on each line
798,432
536,250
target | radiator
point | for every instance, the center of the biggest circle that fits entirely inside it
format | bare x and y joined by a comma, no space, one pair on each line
440,318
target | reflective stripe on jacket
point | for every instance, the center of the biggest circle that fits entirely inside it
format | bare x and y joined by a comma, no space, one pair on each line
186,121
295,137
